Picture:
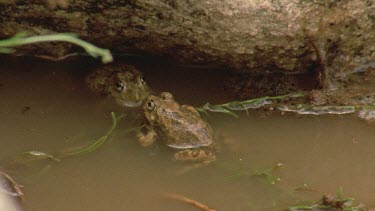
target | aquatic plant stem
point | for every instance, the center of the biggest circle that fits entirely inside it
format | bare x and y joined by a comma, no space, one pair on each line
22,39
97,143
228,108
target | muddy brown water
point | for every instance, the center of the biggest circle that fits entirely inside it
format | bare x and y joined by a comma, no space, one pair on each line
46,107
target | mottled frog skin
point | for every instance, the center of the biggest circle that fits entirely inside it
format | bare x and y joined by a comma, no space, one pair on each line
122,83
179,127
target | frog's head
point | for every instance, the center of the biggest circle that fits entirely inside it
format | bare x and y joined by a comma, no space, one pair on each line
129,89
150,106
157,107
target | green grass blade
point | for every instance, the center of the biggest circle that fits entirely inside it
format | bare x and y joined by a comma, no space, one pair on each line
22,39
218,109
97,144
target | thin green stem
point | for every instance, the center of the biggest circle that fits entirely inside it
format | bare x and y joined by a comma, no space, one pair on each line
22,39
97,143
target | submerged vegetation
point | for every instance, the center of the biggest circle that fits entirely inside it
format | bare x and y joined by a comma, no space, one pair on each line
331,202
38,155
33,155
228,108
327,202
239,170
365,111
7,46
98,143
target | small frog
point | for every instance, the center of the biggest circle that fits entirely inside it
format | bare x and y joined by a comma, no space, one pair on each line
179,127
124,84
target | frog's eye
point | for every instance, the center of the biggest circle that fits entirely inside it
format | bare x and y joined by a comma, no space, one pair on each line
142,80
120,86
151,105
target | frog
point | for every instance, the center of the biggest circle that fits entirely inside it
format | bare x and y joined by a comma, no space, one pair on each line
122,83
179,127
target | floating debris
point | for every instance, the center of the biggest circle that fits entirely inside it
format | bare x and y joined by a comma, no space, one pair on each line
318,110
331,202
38,155
227,108
11,194
238,170
9,186
31,156
218,109
240,106
367,115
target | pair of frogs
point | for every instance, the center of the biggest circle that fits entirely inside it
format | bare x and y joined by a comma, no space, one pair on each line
177,126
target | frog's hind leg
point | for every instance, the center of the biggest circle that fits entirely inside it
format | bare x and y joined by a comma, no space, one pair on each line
201,157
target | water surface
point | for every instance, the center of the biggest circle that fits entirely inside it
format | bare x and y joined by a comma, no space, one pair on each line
46,107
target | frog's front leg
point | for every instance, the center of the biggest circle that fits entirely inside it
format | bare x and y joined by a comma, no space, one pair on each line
146,139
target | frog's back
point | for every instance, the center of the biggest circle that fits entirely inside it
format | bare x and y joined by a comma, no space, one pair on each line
185,132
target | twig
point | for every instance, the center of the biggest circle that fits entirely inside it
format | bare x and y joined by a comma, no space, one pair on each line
187,200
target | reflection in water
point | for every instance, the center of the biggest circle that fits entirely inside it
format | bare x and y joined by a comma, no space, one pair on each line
321,153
